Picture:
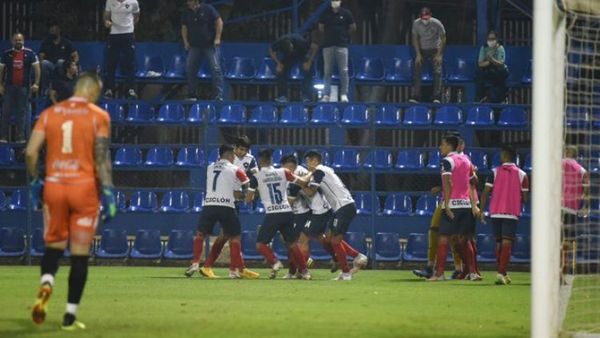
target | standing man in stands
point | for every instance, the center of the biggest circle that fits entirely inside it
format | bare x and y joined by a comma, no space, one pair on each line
336,23
429,41
121,16
201,29
287,51
17,62
54,52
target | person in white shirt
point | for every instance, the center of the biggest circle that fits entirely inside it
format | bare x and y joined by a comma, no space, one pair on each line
120,16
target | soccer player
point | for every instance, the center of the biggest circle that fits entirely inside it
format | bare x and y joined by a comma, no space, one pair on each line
511,186
77,136
271,184
344,211
459,207
575,201
222,178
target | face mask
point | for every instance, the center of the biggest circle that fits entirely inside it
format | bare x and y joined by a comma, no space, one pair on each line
18,46
492,43
425,21
336,4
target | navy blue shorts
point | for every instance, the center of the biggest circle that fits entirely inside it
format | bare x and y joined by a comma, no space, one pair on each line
318,224
504,228
300,221
282,222
342,219
225,216
569,226
462,224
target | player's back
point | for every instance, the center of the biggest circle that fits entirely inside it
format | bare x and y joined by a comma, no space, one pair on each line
71,128
222,178
573,182
508,183
271,184
333,188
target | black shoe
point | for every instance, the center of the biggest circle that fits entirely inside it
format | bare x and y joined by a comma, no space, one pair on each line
334,267
456,274
425,273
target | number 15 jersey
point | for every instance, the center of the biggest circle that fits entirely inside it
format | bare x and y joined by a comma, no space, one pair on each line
222,178
272,188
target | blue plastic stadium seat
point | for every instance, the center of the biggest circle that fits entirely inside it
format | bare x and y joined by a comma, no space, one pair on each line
448,116
527,165
397,204
263,114
294,114
379,159
364,205
370,69
486,248
128,156
280,153
121,201
190,157
479,158
577,117
151,68
426,205
388,115
233,114
434,158
176,68
159,157
147,245
171,113
387,247
325,114
140,113
527,78
19,200
357,240
482,116
113,244
416,248
198,202
355,115
143,201
526,211
2,201
200,111
409,160
260,208
115,110
204,72
417,116
401,70
297,72
175,201
346,159
180,244
513,117
267,69
7,155
241,68
463,70
279,248
12,242
317,252
588,249
521,252
213,156
249,246
38,246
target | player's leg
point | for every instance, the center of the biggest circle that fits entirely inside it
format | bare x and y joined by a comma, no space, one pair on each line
447,229
232,229
285,226
215,250
569,234
267,231
341,223
56,227
205,226
457,257
508,227
465,220
434,226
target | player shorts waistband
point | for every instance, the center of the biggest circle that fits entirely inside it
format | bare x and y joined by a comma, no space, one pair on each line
458,204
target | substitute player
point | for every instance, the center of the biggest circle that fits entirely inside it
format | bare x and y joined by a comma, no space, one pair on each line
271,184
78,178
511,187
222,178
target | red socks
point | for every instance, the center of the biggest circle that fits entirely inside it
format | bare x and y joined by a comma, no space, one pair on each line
215,251
341,256
266,251
442,254
498,251
235,248
198,246
505,253
349,249
474,247
297,257
292,262
468,254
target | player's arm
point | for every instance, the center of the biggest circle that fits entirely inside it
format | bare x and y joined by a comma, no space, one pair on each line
586,191
447,186
136,14
103,164
32,152
253,185
293,192
106,17
525,189
473,193
218,31
314,184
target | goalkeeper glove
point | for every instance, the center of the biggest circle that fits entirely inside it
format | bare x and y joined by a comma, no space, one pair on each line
35,192
109,204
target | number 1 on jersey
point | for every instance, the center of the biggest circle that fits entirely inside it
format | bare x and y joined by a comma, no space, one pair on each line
217,173
67,129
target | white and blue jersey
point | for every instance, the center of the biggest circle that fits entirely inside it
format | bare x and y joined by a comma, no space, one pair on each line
332,187
272,184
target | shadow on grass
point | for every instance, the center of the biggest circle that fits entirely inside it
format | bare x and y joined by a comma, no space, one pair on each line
24,327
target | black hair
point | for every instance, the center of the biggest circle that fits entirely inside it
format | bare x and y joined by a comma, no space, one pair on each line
453,133
289,159
224,148
265,155
509,151
243,141
313,153
451,140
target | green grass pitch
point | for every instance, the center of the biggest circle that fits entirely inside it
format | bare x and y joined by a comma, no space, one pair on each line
148,302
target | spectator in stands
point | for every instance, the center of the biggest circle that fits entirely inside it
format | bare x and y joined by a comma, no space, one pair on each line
336,23
492,70
429,41
63,85
18,62
55,51
120,16
287,51
201,29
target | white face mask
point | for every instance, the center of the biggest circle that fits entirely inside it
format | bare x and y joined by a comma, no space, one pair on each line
492,43
426,21
336,4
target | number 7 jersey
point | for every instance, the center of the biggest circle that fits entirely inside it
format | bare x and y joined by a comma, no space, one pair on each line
272,185
222,178
70,129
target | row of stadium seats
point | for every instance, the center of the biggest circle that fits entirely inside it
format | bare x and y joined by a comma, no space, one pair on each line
321,114
393,204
